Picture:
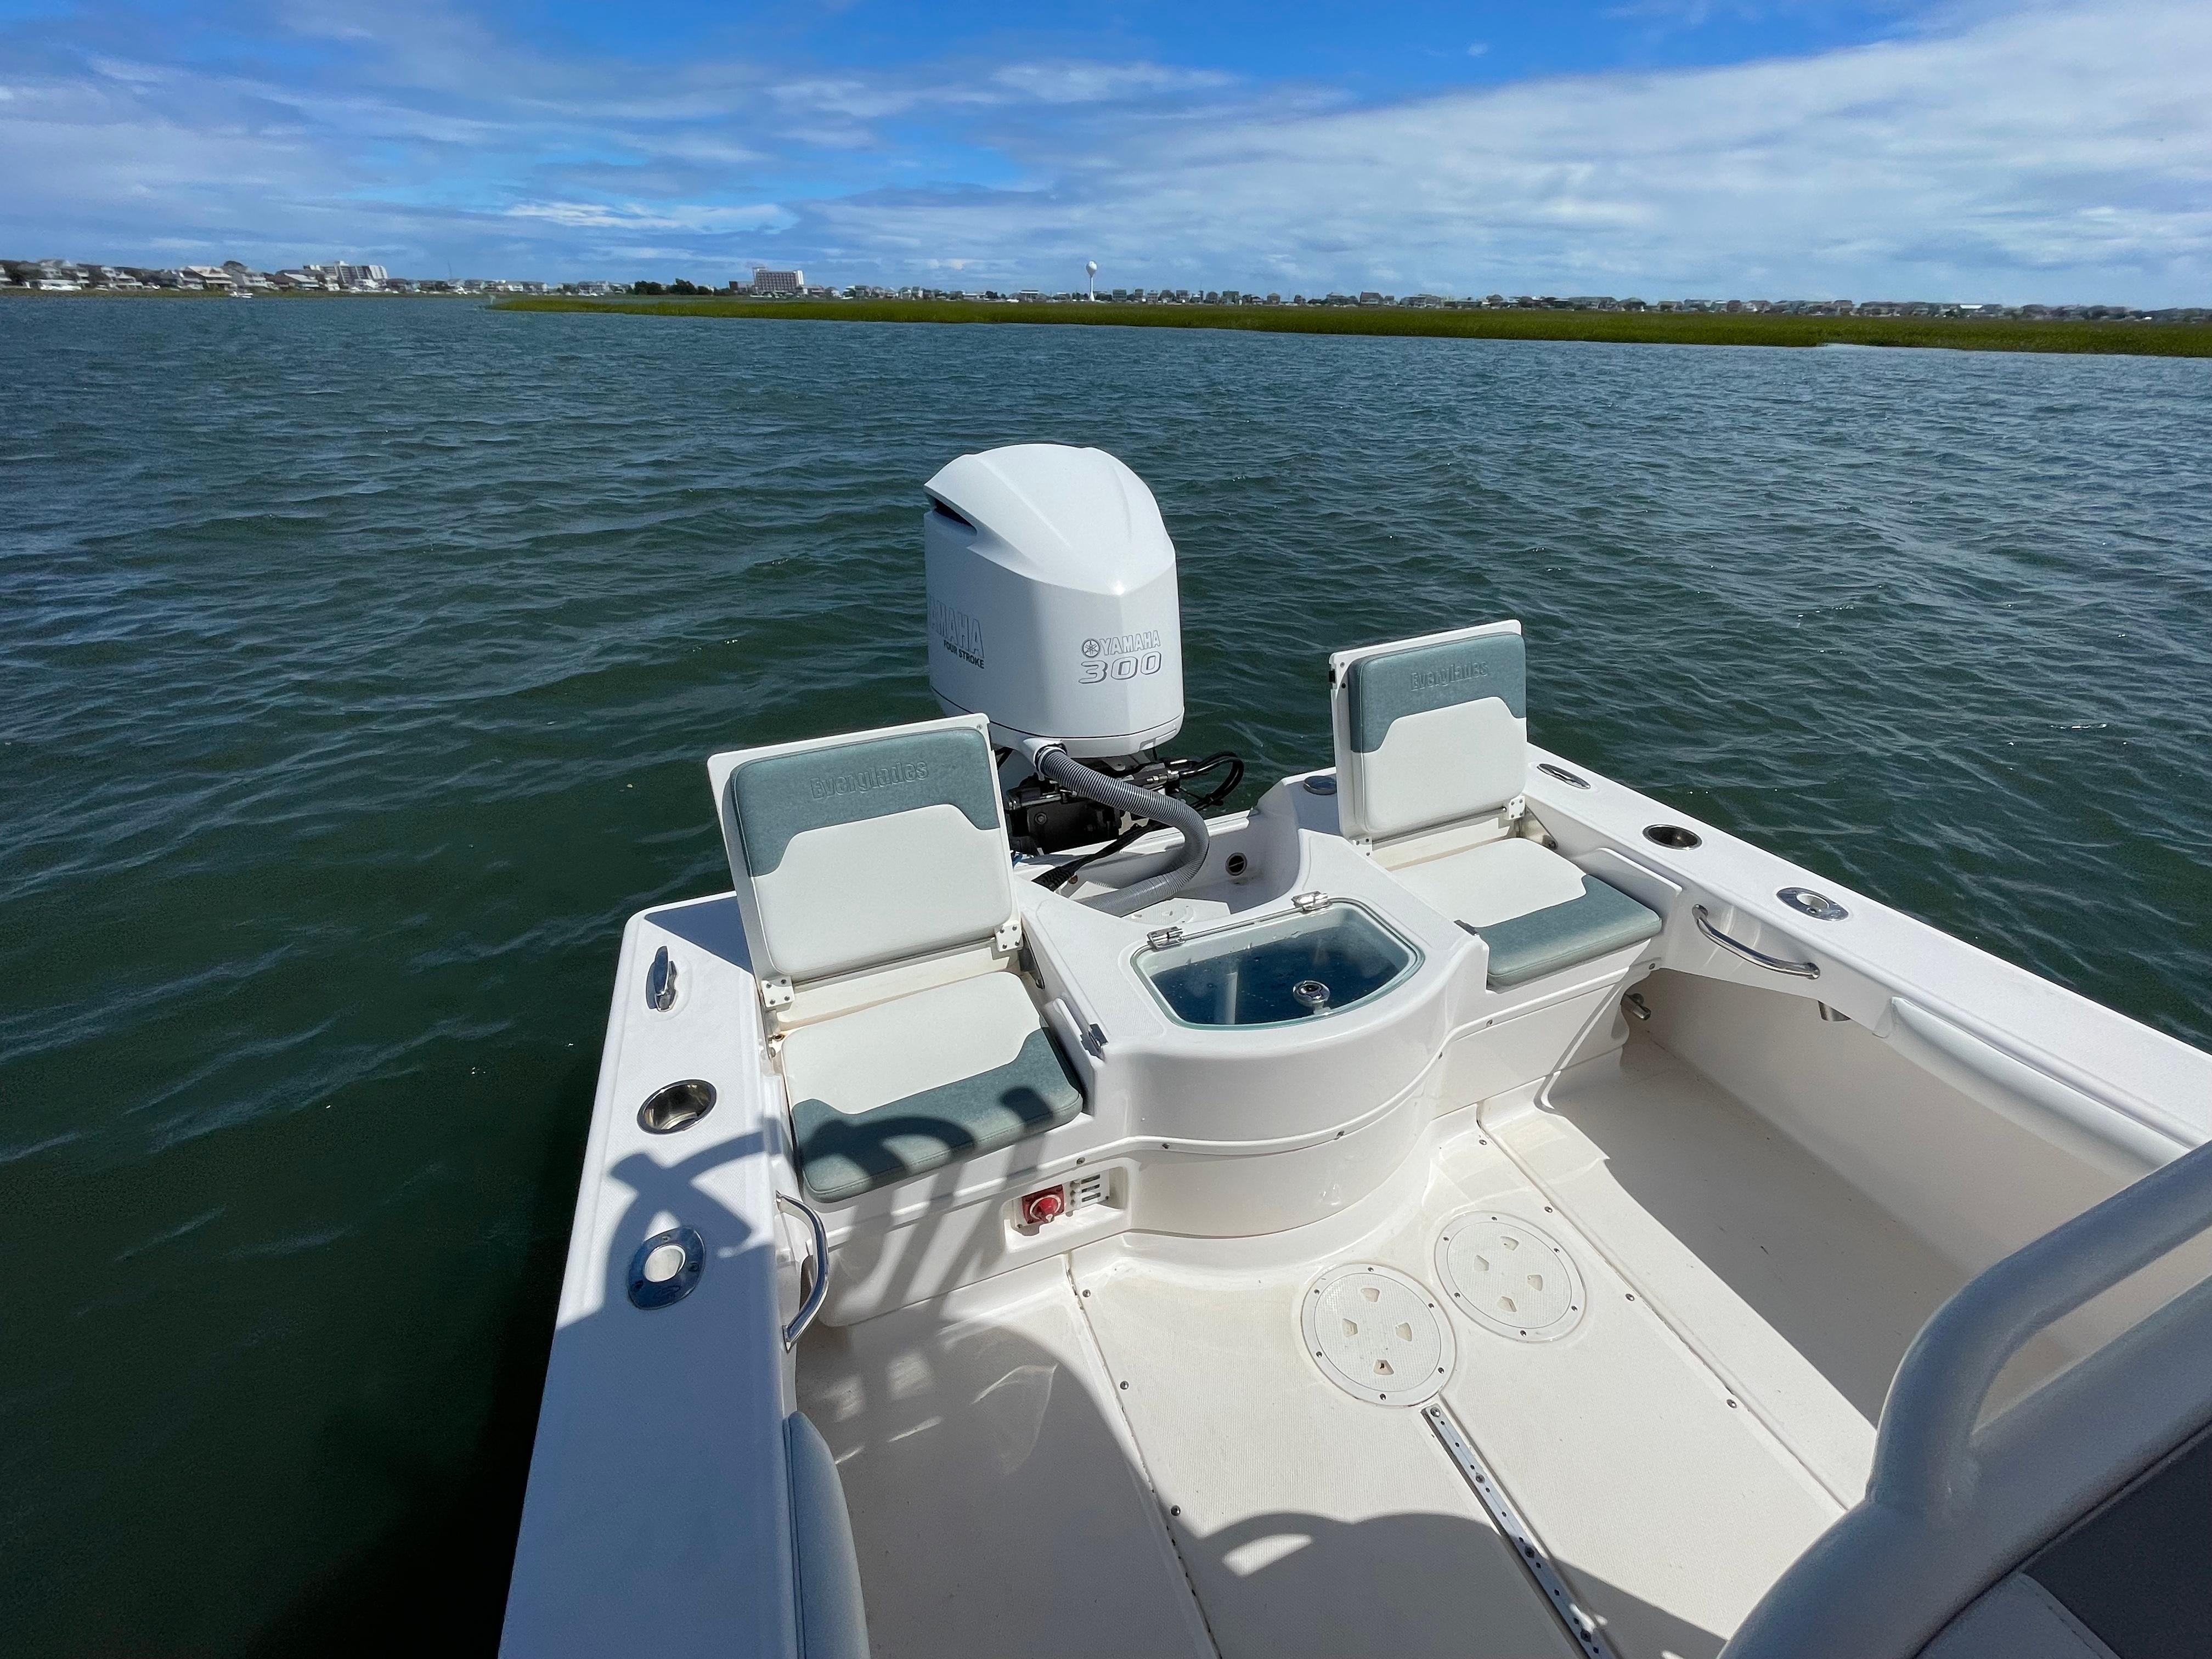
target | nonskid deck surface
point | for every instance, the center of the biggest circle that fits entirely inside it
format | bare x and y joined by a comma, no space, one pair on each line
998,1504
1057,1459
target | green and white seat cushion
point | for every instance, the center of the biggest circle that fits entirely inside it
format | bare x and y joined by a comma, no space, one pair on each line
858,854
1536,911
1434,731
855,854
898,1089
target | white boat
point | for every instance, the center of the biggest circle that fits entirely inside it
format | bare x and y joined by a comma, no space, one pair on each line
1461,1206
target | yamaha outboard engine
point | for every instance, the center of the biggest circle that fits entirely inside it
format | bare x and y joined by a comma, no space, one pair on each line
1053,610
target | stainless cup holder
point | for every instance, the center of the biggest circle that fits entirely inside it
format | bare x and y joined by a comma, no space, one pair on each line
677,1107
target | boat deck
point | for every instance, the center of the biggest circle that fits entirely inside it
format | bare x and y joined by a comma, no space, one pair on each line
1132,1450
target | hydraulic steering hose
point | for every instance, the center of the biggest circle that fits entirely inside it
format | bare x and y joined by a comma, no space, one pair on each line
1060,768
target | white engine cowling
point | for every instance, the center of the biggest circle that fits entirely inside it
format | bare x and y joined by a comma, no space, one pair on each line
1053,606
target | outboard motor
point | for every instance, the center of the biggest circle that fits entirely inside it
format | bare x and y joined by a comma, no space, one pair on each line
1054,611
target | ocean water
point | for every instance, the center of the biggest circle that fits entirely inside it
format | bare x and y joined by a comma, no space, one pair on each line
358,662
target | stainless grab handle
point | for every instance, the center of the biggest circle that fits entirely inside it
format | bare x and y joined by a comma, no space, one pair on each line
820,1293
1779,965
1924,1458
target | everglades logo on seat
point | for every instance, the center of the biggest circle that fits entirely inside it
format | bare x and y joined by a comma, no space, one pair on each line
1449,675
866,778
958,632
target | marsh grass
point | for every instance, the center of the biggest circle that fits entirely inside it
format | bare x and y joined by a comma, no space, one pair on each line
1646,327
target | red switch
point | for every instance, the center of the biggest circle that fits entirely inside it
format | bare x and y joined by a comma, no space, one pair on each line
1039,1207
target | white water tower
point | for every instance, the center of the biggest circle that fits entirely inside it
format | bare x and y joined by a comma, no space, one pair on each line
1091,278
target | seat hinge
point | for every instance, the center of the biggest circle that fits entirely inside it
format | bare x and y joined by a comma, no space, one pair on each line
1516,809
775,991
1008,939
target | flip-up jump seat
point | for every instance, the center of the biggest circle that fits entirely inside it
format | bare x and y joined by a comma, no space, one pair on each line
875,882
1431,757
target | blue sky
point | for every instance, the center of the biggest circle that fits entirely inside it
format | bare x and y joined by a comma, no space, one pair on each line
1652,147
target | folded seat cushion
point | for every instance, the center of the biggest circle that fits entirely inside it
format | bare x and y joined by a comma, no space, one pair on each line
906,1087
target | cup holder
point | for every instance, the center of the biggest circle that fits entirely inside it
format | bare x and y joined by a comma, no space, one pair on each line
677,1107
1672,834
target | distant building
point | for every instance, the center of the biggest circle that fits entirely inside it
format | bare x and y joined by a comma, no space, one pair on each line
778,282
346,276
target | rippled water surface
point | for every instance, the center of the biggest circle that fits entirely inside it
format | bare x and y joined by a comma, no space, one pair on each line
360,661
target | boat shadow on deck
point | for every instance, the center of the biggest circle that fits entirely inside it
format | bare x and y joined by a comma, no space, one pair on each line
1002,1506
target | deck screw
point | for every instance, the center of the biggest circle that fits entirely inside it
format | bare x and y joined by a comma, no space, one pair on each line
1176,1509
1125,1385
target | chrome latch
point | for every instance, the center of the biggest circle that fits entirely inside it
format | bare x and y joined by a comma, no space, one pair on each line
1306,903
1160,937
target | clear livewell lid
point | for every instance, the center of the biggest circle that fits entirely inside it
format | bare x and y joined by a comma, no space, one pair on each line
1307,964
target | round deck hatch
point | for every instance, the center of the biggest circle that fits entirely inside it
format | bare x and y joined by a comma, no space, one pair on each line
1509,1276
1377,1334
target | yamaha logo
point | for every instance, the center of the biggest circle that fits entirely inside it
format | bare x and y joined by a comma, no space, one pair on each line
958,632
1091,647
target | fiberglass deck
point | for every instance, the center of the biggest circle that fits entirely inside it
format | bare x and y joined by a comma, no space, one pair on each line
1129,1450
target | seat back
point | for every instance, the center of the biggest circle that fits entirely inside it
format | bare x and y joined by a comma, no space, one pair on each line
2077,1521
854,852
1428,731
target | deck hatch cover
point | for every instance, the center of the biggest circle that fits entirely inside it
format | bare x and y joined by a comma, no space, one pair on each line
1377,1334
1509,1276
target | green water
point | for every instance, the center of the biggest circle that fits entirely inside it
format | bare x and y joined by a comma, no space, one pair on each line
359,661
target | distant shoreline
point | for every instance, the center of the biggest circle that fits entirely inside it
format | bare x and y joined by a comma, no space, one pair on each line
1620,327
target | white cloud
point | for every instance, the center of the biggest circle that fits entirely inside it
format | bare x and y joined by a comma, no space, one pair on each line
2059,152
632,217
